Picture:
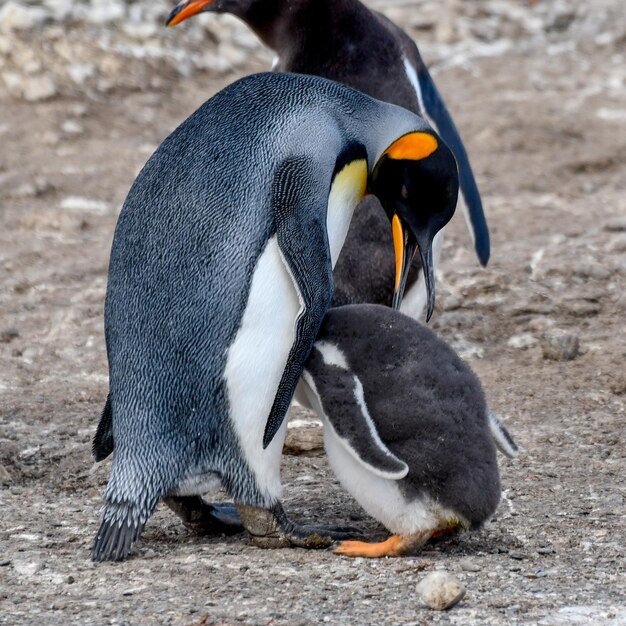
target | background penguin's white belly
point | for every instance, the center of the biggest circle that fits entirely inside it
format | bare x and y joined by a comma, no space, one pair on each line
256,361
416,296
414,301
381,497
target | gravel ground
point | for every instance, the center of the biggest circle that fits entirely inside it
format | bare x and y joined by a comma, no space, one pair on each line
539,94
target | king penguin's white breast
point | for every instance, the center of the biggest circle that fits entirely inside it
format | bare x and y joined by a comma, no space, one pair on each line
256,361
257,357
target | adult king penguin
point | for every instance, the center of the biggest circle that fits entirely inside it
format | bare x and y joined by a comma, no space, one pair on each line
220,276
345,41
406,427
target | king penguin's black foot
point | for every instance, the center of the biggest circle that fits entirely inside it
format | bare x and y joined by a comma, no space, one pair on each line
271,528
204,518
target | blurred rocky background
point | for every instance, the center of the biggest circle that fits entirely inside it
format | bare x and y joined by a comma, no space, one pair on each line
93,47
88,90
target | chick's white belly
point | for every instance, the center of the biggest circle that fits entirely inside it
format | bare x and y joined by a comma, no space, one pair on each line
381,497
255,363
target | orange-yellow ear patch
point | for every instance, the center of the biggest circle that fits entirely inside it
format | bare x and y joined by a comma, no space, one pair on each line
413,147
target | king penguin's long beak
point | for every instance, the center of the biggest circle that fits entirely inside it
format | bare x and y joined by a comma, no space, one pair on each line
406,244
186,9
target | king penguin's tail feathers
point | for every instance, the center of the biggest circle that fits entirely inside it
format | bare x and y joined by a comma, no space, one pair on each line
504,441
103,444
121,525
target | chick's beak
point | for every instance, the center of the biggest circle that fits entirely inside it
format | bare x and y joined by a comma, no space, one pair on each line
186,9
406,243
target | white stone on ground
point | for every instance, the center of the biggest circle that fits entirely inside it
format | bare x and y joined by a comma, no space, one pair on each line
440,590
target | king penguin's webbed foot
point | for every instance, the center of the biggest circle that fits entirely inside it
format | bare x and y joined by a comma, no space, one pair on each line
204,518
271,528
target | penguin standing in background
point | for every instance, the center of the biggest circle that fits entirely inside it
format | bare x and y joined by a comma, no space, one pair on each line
220,276
345,41
406,427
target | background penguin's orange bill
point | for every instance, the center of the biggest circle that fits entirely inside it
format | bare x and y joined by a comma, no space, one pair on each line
186,9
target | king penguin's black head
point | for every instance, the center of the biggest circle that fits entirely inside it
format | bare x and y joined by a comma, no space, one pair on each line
417,182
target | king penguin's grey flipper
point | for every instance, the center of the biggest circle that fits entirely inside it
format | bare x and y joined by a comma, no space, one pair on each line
303,242
330,382
434,109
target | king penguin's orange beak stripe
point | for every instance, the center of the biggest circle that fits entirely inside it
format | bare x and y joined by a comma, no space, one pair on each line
398,246
186,9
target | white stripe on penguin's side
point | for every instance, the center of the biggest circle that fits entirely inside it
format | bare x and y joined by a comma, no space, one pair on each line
256,361
331,354
359,396
412,76
329,431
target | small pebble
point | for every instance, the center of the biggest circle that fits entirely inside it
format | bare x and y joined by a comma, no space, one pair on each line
616,226
469,566
72,127
34,189
9,334
559,346
523,341
582,308
78,203
27,568
15,16
38,88
618,383
517,555
5,476
440,590
592,270
305,434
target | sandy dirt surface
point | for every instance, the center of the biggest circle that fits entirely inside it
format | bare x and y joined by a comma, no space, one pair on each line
545,124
